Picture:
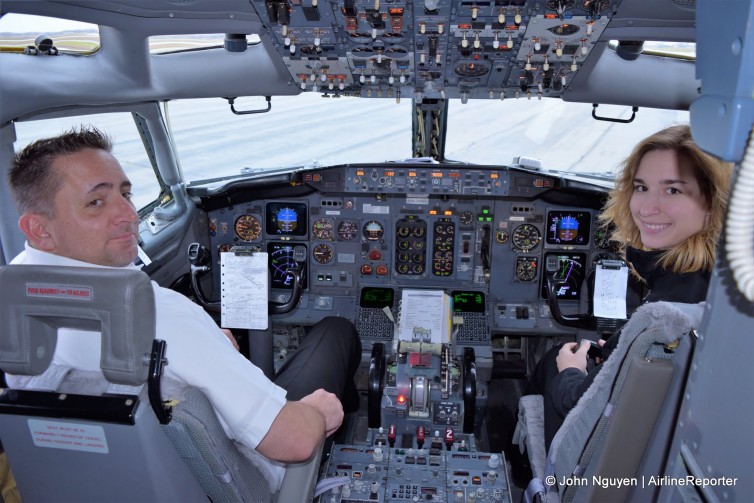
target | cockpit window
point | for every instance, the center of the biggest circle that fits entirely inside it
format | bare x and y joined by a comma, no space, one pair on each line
19,32
679,50
560,135
299,131
25,33
165,44
309,130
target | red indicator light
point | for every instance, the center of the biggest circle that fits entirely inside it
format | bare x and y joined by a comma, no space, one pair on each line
401,399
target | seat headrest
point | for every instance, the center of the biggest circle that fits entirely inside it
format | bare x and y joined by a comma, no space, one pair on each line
36,300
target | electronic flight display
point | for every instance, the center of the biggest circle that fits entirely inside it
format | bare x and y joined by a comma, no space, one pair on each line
284,256
568,271
286,219
568,227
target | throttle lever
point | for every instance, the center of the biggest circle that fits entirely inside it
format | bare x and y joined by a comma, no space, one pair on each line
469,389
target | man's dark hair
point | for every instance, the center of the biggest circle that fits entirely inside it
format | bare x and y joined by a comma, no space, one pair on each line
32,180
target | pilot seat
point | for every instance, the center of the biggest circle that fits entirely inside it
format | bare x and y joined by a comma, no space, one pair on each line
621,427
108,435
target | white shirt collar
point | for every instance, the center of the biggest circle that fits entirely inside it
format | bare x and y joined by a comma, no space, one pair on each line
31,255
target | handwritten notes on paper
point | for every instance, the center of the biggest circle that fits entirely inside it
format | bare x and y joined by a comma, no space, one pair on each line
610,292
243,290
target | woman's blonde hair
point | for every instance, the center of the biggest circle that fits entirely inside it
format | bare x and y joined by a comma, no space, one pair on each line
713,176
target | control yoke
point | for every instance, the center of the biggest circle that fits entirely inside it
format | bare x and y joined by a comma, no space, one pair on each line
605,326
586,320
199,258
292,302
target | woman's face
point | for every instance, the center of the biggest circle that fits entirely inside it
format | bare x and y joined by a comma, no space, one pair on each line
667,204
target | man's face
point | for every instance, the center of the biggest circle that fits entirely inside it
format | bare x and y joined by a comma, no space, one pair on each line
95,220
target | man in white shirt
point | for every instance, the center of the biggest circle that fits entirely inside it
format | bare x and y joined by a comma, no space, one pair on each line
76,210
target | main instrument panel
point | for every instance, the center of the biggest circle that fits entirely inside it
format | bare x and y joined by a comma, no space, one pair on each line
360,234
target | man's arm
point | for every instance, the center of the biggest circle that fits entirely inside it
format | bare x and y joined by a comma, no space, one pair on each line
299,428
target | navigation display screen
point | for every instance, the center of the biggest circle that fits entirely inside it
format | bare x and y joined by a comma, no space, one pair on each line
284,256
568,272
286,219
568,227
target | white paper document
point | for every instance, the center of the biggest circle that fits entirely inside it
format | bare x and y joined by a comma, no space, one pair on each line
610,292
243,290
424,316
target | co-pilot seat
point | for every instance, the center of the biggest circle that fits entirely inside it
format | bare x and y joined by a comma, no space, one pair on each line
621,427
97,436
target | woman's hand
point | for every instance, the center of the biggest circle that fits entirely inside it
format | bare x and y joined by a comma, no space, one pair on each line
573,355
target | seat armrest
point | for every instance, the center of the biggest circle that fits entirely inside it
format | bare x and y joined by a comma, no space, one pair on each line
530,432
300,479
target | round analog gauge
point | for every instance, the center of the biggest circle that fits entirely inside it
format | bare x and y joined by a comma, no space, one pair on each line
474,69
323,253
323,229
565,29
248,228
526,237
526,269
373,230
347,230
502,237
